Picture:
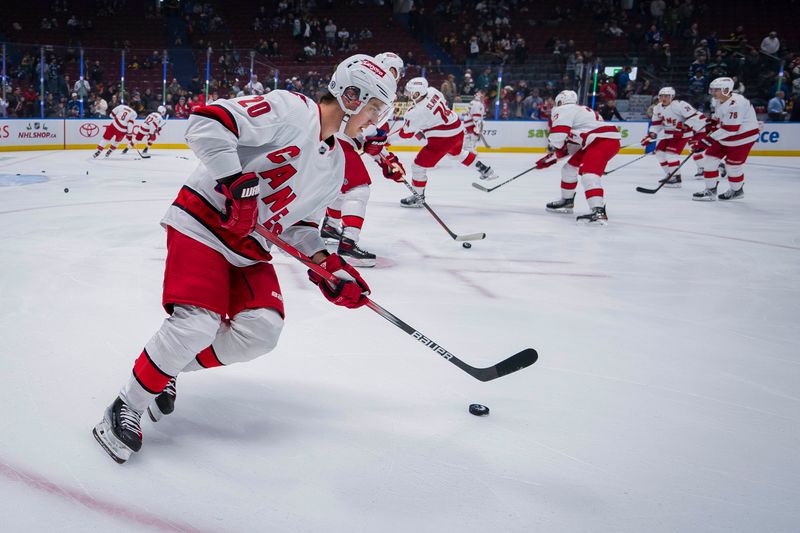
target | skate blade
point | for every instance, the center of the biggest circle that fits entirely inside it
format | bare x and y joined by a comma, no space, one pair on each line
418,206
488,178
704,199
155,414
115,449
563,210
584,222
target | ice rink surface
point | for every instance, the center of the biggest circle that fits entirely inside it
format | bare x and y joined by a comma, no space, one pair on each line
666,396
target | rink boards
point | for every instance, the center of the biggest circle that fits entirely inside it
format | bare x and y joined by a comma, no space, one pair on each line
501,136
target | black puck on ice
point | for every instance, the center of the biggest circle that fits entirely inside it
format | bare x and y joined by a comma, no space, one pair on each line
66,189
466,245
478,409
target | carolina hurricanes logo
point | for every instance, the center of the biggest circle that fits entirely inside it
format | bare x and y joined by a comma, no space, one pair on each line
374,68
89,129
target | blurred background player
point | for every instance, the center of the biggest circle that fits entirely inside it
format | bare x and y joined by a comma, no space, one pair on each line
731,140
122,120
674,123
473,122
149,130
344,219
431,119
271,160
573,124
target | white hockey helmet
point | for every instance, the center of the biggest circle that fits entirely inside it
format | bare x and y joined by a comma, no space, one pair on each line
360,78
725,85
566,97
162,111
392,61
418,87
667,91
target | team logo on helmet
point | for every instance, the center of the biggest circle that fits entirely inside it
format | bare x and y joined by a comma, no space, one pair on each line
373,67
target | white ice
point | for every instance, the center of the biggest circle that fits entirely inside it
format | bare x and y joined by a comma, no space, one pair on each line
666,396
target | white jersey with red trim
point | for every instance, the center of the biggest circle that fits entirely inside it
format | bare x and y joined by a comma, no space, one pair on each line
474,118
152,125
276,136
738,123
123,118
676,120
579,125
431,117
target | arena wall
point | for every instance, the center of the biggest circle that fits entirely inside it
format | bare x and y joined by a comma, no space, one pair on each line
501,136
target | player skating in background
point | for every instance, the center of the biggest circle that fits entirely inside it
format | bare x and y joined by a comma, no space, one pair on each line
344,219
735,132
270,160
581,132
122,121
473,122
430,118
674,123
149,130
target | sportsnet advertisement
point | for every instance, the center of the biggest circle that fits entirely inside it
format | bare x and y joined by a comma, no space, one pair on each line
501,136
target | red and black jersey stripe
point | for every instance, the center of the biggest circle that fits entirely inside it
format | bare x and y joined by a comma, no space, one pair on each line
221,115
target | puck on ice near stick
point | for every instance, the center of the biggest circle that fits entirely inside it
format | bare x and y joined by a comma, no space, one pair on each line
478,409
66,189
466,245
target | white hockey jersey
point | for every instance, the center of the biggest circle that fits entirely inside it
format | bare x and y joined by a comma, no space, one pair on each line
738,124
579,125
431,117
152,124
676,120
474,117
277,137
123,118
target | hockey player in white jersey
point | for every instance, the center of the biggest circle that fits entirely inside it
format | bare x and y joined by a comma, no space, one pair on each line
473,122
271,160
344,219
673,124
736,131
122,120
431,119
580,132
149,130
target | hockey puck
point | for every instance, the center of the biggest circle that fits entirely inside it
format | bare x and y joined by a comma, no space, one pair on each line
66,189
478,409
466,245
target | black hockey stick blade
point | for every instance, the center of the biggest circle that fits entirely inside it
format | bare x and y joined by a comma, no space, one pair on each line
518,361
663,181
648,191
480,187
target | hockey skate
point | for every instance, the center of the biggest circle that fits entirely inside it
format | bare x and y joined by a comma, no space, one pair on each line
415,200
97,153
730,194
109,153
674,182
486,172
565,205
146,148
699,175
164,403
125,150
119,432
328,232
707,195
597,217
355,255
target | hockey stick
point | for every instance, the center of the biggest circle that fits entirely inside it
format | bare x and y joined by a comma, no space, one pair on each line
455,236
483,140
626,164
518,361
143,156
490,189
663,181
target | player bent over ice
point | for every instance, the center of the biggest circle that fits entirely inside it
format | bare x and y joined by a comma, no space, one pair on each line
579,126
735,132
270,160
429,117
149,130
122,120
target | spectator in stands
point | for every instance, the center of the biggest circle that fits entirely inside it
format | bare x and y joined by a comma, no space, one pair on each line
698,87
174,87
255,86
636,38
653,36
330,33
608,89
310,50
608,110
73,108
484,80
657,9
623,78
95,72
776,108
449,89
182,108
82,88
344,39
795,115
468,84
473,50
770,44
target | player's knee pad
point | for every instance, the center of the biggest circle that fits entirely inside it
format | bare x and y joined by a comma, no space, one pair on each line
709,161
590,181
355,196
419,173
734,170
181,336
252,333
662,156
569,173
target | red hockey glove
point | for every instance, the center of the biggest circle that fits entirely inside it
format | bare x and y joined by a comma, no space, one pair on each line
241,202
373,144
470,130
392,168
701,142
547,161
712,125
420,135
647,139
351,291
